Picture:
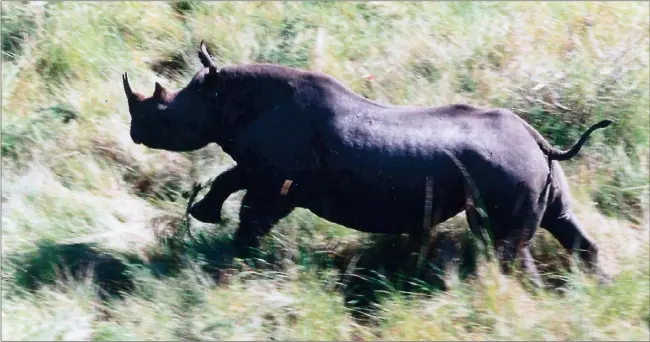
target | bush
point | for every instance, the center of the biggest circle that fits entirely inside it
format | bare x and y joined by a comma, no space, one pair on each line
624,186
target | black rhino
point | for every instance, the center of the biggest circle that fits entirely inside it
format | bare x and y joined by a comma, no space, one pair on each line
302,139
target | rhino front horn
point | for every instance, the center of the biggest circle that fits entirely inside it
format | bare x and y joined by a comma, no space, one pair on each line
127,88
131,96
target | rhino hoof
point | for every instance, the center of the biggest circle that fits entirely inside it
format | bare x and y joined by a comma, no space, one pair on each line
203,215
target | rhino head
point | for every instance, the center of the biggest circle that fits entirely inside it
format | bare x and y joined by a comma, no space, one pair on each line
174,120
213,107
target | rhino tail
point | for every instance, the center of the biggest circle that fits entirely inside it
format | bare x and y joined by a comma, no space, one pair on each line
554,153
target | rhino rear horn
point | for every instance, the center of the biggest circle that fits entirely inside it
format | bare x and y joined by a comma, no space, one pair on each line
159,92
205,56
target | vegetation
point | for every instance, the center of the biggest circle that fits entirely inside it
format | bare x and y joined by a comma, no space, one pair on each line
93,226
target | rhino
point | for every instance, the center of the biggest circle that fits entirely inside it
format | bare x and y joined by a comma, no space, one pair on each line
302,139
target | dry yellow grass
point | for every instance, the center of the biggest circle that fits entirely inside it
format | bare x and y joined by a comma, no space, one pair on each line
77,191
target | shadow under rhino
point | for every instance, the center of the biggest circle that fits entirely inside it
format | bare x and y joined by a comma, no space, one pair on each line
367,270
51,262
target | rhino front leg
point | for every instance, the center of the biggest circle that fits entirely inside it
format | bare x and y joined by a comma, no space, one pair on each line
260,211
208,209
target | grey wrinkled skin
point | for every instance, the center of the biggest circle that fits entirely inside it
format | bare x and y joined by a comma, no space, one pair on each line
359,163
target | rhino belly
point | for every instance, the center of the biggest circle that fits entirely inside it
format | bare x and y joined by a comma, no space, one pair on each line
369,210
377,208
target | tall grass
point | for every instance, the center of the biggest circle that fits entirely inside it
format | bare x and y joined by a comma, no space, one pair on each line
85,211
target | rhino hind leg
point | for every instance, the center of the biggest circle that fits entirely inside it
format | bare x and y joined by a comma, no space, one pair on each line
477,226
568,231
510,229
528,265
259,212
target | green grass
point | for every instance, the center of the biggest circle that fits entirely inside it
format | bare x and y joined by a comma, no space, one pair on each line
93,225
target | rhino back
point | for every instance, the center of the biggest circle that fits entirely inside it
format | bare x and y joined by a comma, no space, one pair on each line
393,141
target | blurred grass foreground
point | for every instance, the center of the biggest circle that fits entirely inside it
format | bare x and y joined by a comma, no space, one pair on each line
91,222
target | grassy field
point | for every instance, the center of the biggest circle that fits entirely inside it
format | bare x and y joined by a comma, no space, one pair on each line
94,240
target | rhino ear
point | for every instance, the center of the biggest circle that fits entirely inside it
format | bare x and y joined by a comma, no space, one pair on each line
205,56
